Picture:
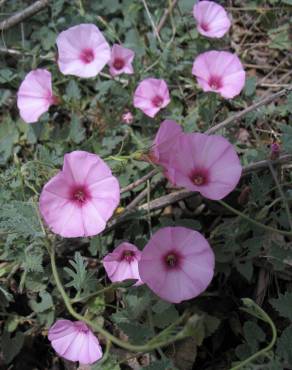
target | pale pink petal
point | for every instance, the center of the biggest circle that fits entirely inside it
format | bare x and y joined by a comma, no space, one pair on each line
35,95
82,51
219,71
81,198
151,96
74,341
121,60
122,263
165,141
177,282
212,19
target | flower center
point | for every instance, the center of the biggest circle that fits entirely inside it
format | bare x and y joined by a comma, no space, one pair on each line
199,177
118,63
128,256
80,195
157,101
81,327
205,27
215,83
172,260
87,56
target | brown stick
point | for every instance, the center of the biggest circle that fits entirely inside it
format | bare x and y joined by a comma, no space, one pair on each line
23,14
249,109
139,181
165,15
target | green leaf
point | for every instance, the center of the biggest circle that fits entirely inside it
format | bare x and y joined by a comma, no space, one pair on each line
283,304
284,348
8,137
11,345
137,333
160,365
73,91
250,86
77,131
45,304
21,217
280,38
82,280
253,335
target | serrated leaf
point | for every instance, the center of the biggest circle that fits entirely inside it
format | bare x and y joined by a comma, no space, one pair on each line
73,91
284,348
137,333
21,218
11,345
160,365
82,280
77,132
283,305
45,304
253,335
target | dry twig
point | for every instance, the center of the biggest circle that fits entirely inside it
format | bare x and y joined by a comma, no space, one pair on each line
23,14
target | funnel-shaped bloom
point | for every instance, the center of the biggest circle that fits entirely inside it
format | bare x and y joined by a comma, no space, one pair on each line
121,60
221,72
80,199
212,19
177,264
35,95
151,95
208,164
75,342
165,142
122,263
82,51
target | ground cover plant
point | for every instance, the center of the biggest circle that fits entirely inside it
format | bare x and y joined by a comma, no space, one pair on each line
145,204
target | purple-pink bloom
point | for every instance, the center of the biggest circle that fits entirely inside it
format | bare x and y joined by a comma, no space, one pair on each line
35,95
151,95
80,199
127,118
122,263
221,72
74,341
177,264
82,51
121,60
208,164
212,19
165,142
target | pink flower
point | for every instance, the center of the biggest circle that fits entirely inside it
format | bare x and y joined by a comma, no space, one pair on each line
165,142
207,164
151,95
212,19
80,199
177,264
122,263
128,118
121,60
35,95
221,72
75,341
83,51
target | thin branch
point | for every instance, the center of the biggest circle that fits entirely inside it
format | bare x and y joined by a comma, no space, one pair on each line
237,116
165,15
23,14
156,33
140,181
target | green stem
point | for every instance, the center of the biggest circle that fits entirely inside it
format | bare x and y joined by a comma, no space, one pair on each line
128,346
262,315
254,222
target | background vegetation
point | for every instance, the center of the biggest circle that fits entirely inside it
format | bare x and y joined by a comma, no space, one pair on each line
251,235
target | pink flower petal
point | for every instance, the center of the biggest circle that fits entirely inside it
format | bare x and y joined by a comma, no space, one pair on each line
80,199
212,19
83,51
151,96
122,263
121,60
35,95
177,281
221,72
74,341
